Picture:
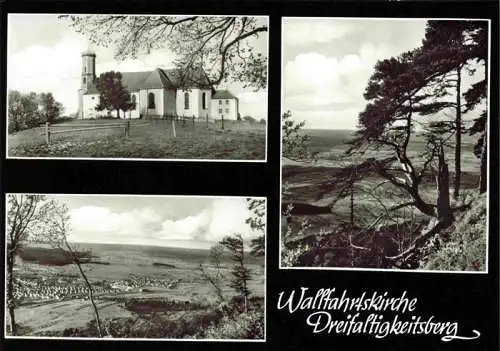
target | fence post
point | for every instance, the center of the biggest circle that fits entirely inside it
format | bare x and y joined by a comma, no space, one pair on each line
222,120
47,132
173,127
193,121
127,129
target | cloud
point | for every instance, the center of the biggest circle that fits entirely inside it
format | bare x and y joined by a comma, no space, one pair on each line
314,79
53,68
315,82
328,63
228,218
300,32
188,228
101,221
224,216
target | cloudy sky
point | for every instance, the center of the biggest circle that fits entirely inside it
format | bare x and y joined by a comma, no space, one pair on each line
189,222
327,63
44,56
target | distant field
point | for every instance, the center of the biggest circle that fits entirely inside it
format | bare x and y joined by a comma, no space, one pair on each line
148,139
328,146
54,297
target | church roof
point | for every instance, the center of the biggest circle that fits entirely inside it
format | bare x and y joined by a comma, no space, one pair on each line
132,80
223,94
159,79
155,79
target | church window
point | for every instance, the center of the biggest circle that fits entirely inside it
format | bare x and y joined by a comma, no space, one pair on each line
133,102
84,80
204,100
151,100
227,110
220,102
186,101
220,111
227,102
85,69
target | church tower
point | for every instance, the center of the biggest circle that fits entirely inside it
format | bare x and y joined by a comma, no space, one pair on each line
88,69
87,78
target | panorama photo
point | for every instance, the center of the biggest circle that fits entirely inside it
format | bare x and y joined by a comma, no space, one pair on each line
385,144
137,87
135,267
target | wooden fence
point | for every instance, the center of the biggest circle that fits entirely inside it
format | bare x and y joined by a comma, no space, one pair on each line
183,121
51,129
126,125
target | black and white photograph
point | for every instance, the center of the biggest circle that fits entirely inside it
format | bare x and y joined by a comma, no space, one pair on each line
154,87
385,144
135,267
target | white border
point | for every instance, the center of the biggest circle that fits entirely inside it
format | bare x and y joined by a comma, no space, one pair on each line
131,158
6,336
283,19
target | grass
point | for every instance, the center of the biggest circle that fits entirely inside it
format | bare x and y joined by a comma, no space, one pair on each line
148,139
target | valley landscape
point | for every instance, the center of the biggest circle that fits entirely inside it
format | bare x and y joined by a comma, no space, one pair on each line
140,291
185,272
318,220
385,144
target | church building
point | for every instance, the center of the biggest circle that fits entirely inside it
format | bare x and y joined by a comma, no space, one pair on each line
158,94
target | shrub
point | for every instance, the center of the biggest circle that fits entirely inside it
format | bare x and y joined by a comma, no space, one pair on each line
240,326
291,256
249,119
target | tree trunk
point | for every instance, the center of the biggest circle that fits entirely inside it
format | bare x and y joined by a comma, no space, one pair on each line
443,190
246,293
91,297
352,206
458,135
10,292
444,215
483,180
76,260
117,113
421,205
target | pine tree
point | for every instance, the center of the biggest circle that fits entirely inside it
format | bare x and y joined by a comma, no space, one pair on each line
448,45
241,273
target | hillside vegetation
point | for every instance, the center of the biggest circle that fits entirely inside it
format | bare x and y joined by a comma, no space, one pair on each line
461,247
